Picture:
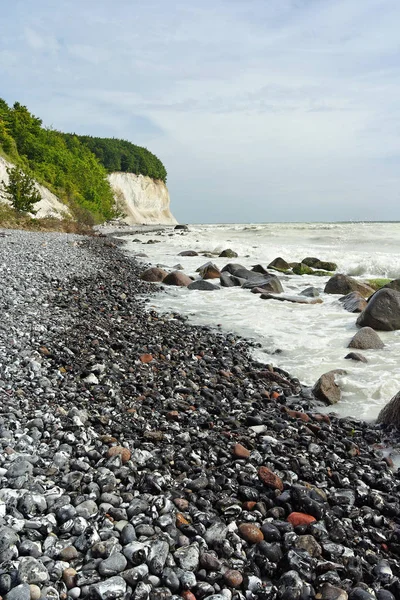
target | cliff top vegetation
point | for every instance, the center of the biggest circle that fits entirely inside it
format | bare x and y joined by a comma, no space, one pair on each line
73,167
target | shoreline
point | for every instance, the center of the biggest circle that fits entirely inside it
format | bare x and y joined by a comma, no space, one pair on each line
176,448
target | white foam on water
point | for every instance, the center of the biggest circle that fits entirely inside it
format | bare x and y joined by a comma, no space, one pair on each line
312,339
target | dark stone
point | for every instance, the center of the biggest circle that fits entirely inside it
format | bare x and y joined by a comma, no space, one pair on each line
382,311
356,356
203,285
326,389
366,339
390,414
353,302
343,285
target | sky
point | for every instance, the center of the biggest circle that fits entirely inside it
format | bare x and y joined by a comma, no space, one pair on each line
261,110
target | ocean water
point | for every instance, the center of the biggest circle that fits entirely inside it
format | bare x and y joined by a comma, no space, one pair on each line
307,340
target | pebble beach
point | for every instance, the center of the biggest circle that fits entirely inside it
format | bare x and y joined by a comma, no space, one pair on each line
142,457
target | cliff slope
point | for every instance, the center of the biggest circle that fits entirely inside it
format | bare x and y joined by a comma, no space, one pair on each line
49,205
142,199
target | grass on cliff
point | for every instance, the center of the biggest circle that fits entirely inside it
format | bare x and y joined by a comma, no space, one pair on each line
12,219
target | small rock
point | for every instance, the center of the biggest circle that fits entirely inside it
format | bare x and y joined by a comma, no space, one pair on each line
251,533
270,479
240,451
233,578
124,453
298,518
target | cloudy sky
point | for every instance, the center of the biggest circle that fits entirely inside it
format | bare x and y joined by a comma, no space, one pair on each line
261,110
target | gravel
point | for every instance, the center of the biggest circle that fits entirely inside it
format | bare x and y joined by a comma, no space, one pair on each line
144,458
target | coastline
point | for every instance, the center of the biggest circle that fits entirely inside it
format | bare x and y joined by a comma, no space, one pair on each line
166,438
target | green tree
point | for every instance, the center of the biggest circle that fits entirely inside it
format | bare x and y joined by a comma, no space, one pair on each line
21,190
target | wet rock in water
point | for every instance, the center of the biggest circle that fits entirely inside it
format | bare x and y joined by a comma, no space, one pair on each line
209,271
240,271
390,413
228,280
366,339
228,253
294,299
181,227
202,285
382,311
154,274
270,283
356,356
343,285
326,388
316,263
310,292
302,269
188,253
353,302
251,533
260,269
393,285
279,264
177,278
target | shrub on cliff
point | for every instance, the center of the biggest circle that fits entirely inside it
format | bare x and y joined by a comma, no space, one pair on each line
21,190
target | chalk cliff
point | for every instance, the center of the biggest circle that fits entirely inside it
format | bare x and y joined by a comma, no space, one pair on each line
142,199
49,205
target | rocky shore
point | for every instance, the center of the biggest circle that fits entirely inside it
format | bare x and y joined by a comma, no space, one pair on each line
144,458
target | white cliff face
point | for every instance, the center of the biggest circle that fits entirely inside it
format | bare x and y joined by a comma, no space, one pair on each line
49,205
142,199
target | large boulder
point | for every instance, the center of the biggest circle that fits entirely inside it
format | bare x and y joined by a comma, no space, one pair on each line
326,388
302,269
228,253
260,269
366,339
228,280
390,414
279,264
182,227
188,253
393,285
153,275
316,263
353,302
382,311
177,278
202,285
209,271
240,271
343,284
310,292
270,284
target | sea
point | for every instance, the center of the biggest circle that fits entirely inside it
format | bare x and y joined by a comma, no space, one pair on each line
305,340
